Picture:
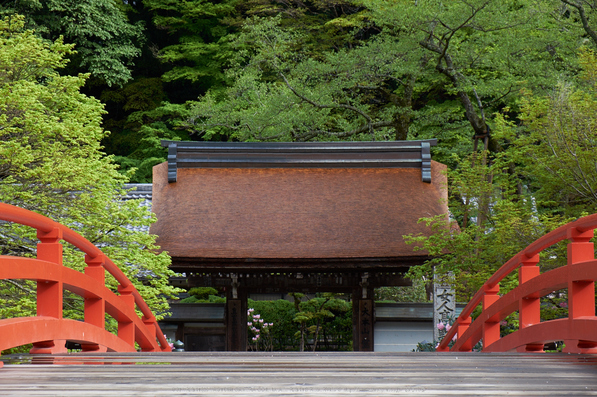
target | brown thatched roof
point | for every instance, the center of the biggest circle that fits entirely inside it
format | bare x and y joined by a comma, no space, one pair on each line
240,212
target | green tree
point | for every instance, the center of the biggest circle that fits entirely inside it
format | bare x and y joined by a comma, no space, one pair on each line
313,315
106,41
467,255
114,46
483,51
137,144
428,70
586,11
542,178
556,143
279,313
198,33
203,295
185,48
51,163
282,91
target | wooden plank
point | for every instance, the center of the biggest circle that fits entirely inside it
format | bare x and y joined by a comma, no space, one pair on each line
299,374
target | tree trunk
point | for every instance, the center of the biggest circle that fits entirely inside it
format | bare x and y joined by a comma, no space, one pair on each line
583,18
316,335
401,126
445,66
402,118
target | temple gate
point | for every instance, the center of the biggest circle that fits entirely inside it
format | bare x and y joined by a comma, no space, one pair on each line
296,217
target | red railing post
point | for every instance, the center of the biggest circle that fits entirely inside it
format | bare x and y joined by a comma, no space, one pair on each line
150,324
579,331
52,277
49,293
463,325
529,306
581,293
491,328
95,307
126,327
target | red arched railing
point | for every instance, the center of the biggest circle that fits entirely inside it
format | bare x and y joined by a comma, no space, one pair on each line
578,331
49,331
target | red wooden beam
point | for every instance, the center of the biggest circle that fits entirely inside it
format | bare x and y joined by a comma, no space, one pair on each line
578,276
49,330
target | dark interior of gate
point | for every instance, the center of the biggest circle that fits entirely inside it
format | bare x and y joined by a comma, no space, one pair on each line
296,217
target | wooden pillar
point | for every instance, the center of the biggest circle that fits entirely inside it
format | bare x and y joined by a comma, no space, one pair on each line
126,328
363,317
236,317
581,293
529,307
49,292
95,308
491,327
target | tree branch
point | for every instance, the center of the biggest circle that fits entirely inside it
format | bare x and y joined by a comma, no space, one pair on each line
583,18
362,129
333,106
449,71
19,286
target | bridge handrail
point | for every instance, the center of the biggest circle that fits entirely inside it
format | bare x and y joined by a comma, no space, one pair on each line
555,236
41,223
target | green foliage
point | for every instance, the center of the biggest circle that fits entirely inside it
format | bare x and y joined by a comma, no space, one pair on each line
106,41
202,292
199,44
473,251
556,148
185,51
541,178
281,92
402,71
554,305
51,163
510,324
335,328
203,295
280,313
580,13
414,293
479,51
208,299
149,121
318,316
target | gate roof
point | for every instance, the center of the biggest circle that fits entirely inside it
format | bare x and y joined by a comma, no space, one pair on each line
256,202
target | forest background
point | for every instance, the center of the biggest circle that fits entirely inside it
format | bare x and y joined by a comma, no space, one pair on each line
507,87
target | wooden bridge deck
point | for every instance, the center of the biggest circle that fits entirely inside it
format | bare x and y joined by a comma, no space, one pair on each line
299,374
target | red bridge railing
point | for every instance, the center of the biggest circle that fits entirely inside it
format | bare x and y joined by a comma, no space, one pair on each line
578,331
49,331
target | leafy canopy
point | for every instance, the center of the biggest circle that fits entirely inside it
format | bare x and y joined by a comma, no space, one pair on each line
542,178
51,162
106,41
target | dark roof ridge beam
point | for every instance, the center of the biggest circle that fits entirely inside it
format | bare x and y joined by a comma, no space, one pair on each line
172,163
191,154
426,162
267,146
